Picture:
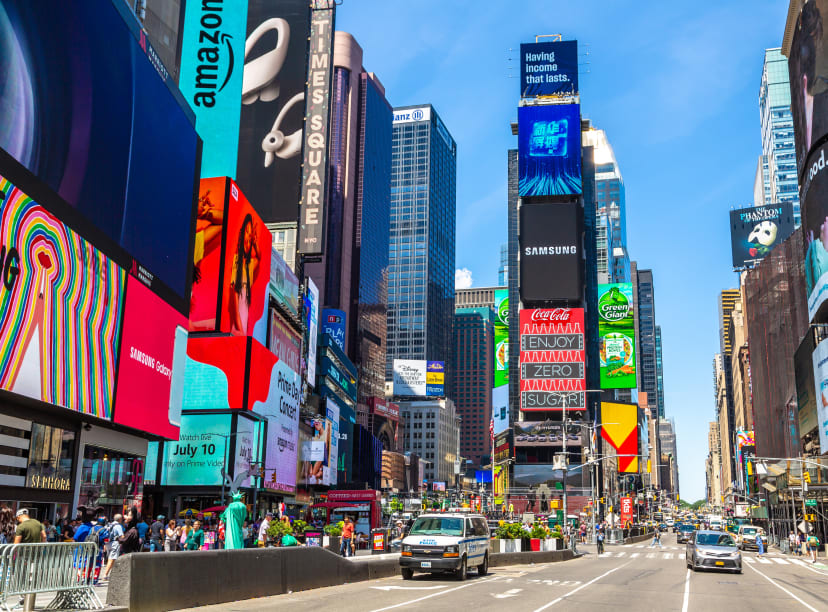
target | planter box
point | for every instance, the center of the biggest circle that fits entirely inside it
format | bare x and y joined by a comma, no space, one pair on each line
551,544
332,543
512,545
535,544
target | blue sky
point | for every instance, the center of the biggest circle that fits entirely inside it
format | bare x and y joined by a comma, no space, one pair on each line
674,84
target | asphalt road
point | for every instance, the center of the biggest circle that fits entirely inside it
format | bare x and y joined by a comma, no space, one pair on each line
635,577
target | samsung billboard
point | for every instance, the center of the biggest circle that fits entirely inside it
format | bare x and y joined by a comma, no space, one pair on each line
549,68
551,257
549,150
756,230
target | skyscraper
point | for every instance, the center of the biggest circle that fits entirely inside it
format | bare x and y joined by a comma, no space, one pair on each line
659,372
778,149
473,379
514,297
503,269
647,337
610,200
421,252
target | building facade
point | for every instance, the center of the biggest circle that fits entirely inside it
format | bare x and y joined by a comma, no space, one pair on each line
779,174
433,433
473,379
421,252
648,379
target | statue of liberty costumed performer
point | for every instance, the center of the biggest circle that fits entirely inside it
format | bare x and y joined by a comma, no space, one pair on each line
234,516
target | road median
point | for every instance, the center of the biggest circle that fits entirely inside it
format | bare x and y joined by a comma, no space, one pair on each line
171,581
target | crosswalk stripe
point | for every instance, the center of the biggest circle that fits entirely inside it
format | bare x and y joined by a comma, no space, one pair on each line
651,555
634,555
780,561
667,555
749,559
606,554
761,560
641,546
621,554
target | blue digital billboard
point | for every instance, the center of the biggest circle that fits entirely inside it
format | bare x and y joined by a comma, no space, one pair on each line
549,150
91,111
549,68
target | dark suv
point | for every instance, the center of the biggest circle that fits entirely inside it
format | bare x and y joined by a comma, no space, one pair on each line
684,533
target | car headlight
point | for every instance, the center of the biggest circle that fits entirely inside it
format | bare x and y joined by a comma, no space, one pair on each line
452,549
406,548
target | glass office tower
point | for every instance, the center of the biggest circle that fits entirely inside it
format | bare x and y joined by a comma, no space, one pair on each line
421,252
778,149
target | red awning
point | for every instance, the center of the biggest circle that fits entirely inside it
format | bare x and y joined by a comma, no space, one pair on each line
337,504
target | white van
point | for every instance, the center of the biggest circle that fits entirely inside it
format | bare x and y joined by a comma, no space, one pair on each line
450,542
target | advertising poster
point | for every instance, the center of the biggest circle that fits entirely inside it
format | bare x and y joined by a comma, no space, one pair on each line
549,68
207,253
329,472
534,474
808,73
276,393
61,303
435,378
820,360
247,448
620,428
806,399
313,330
333,324
814,206
246,268
311,238
284,286
126,158
316,453
500,476
551,257
500,392
410,377
552,359
215,374
546,433
756,230
146,363
273,106
627,511
200,453
549,150
616,333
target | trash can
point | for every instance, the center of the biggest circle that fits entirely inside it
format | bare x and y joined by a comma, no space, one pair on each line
380,541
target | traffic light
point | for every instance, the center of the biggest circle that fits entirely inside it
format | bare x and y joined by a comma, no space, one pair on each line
807,476
603,500
649,466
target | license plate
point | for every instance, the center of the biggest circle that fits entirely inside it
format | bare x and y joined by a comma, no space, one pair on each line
719,562
425,564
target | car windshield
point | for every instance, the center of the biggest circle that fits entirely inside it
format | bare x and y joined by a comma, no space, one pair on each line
437,525
714,539
686,528
751,531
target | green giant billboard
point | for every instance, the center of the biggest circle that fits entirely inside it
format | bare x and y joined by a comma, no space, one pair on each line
500,393
616,328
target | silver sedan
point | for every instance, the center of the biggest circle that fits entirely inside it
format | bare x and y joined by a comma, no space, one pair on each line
713,550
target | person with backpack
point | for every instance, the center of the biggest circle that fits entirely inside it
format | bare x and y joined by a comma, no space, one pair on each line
813,547
599,538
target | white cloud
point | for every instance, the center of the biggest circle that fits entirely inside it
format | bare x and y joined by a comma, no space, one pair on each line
462,278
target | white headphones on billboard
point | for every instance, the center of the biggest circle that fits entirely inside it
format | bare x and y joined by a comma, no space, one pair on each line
260,82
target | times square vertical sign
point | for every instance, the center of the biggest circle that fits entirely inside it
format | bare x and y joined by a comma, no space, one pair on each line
552,359
317,112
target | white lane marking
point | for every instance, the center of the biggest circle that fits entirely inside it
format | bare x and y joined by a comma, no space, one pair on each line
749,559
621,554
651,555
808,567
551,582
783,588
761,560
419,599
641,546
606,554
573,591
667,555
569,582
634,555
408,588
509,593
686,601
780,561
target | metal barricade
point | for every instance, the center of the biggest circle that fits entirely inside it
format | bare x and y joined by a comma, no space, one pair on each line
615,536
65,568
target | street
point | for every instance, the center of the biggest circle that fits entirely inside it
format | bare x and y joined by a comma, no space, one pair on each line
634,575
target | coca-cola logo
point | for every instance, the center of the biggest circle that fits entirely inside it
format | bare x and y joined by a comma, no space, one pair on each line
557,314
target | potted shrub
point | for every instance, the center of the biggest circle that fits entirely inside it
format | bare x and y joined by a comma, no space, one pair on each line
516,536
277,530
537,536
331,540
299,529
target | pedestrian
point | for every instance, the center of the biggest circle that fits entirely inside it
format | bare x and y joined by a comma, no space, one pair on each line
116,532
265,525
195,539
813,547
156,533
656,538
801,539
7,525
347,536
29,530
171,535
143,527
599,538
792,542
760,544
97,535
51,532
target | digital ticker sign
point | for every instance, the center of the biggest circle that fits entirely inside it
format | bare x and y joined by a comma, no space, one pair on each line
552,359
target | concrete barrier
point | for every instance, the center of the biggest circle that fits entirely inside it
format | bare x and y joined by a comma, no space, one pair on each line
641,538
151,582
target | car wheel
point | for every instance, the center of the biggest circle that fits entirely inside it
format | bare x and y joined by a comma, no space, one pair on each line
483,568
461,572
407,573
693,563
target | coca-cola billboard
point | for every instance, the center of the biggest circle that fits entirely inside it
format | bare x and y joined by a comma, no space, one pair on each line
552,359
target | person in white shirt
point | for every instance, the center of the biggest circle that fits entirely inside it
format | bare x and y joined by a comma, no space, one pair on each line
263,529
